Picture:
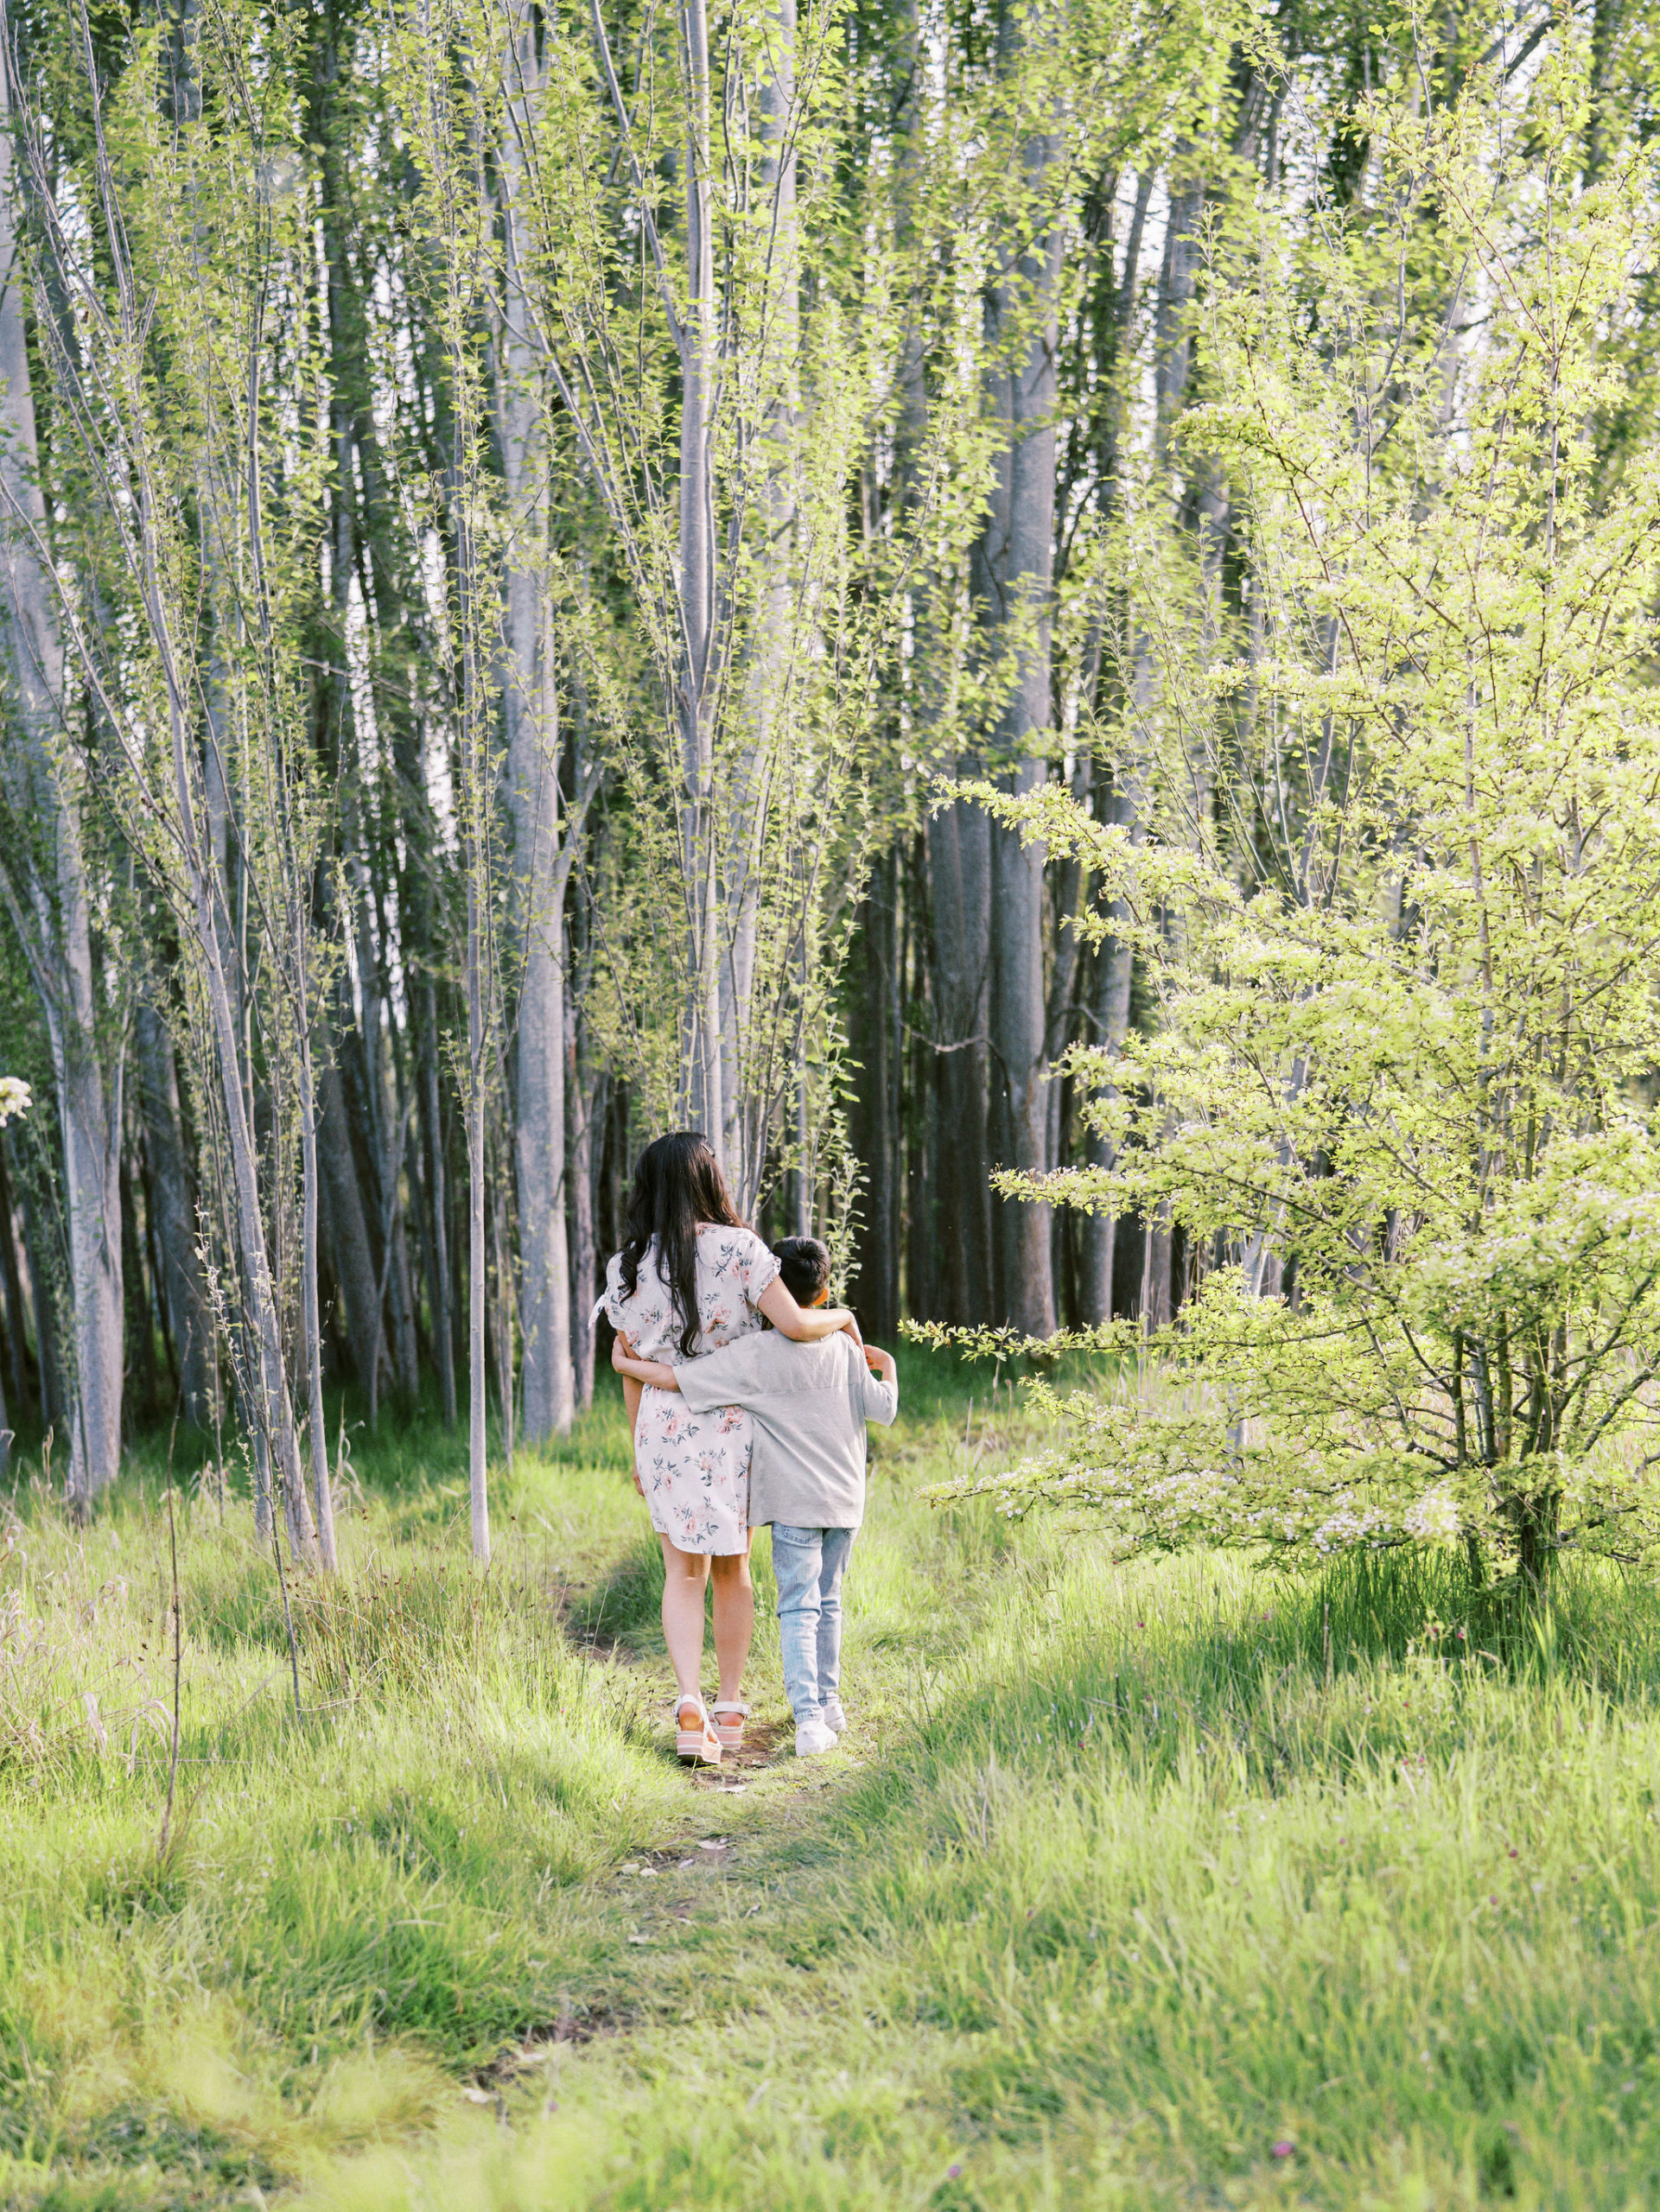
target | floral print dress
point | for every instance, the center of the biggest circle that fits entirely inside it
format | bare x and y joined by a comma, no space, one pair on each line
694,1468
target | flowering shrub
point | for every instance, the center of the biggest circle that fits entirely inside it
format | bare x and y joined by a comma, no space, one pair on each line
1398,1091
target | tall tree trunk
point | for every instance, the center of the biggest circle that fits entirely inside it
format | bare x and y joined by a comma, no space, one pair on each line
11,1286
310,1318
701,1091
742,828
476,801
1119,795
52,1352
530,700
1109,1024
1014,574
877,1042
585,1090
1065,882
959,882
477,1373
270,1407
173,1204
44,876
922,1090
346,1231
399,645
141,1389
443,1328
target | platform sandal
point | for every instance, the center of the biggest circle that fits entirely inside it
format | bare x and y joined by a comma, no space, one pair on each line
700,1744
730,1732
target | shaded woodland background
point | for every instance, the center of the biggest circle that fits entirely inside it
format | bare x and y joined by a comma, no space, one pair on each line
512,513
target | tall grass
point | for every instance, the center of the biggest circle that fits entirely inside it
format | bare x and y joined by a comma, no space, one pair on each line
1180,1885
354,1899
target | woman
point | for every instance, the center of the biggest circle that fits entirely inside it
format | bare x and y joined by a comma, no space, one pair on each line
689,1278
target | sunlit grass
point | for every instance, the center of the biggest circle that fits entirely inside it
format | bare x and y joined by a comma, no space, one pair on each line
1183,1885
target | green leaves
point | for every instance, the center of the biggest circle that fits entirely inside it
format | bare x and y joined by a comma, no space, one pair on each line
1396,1099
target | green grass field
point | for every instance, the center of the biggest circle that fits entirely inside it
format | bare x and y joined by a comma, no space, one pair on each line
1186,1884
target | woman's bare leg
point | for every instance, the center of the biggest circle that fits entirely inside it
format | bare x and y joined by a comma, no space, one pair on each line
684,1576
734,1617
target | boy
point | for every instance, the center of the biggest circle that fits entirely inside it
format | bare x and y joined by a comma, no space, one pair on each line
809,1404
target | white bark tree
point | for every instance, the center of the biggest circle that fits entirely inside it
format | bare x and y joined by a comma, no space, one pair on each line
44,876
541,854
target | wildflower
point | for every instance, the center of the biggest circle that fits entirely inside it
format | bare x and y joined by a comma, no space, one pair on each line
1284,2148
951,2172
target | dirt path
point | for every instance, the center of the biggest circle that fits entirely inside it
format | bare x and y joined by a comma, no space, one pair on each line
726,1868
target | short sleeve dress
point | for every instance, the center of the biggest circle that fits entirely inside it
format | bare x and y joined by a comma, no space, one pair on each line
694,1468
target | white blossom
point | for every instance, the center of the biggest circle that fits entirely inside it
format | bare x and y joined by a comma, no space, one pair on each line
1435,1516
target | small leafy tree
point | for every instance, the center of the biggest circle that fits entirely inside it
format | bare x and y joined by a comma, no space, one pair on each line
1399,1094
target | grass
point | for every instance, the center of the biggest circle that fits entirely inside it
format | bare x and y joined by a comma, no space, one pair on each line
1184,1885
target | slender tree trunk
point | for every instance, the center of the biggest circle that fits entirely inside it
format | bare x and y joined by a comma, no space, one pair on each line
584,1106
477,1370
311,1323
530,700
46,886
438,1201
1109,1024
921,1133
1014,572
501,1270
50,1352
701,1071
11,1285
52,1346
272,1412
741,828
1065,884
1119,798
959,877
172,1205
474,796
877,1041
346,1233
398,647
141,1387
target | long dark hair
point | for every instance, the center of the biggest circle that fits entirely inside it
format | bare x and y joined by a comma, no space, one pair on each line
677,1183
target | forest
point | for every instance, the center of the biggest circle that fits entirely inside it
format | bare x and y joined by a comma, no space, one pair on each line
1040,617
552,560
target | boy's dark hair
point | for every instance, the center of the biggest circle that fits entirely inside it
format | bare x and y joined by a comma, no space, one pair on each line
804,1266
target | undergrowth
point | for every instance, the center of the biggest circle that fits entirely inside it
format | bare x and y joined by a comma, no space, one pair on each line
1189,1884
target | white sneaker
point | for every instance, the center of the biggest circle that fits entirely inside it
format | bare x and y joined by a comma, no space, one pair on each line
813,1736
832,1714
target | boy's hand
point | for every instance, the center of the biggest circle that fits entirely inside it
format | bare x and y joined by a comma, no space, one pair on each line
883,1362
621,1349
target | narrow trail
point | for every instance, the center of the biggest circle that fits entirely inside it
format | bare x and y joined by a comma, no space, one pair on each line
724,1870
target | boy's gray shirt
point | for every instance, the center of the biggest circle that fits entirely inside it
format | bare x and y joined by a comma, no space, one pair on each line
810,1404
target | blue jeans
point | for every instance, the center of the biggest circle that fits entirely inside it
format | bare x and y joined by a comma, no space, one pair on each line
808,1564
